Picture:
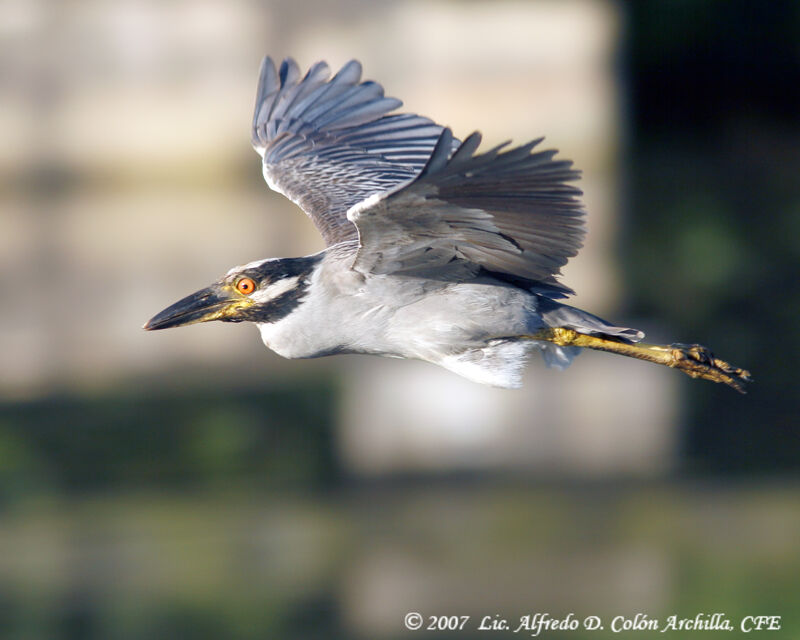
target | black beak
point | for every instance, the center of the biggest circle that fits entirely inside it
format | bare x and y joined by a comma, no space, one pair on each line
213,303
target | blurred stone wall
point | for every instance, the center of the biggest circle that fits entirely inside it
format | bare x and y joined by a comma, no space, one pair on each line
128,181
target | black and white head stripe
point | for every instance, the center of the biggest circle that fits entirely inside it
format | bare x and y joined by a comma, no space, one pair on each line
281,285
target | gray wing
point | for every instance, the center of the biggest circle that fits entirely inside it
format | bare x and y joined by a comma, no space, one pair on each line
507,212
328,144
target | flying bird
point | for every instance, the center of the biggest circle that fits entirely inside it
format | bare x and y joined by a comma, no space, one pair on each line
435,251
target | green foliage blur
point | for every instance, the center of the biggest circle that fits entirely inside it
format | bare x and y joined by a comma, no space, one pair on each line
712,246
274,440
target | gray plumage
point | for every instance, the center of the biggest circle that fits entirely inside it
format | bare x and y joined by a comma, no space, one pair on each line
434,251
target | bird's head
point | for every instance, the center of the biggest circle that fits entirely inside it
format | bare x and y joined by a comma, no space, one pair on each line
263,291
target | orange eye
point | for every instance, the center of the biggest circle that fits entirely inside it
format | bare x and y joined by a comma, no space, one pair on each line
246,286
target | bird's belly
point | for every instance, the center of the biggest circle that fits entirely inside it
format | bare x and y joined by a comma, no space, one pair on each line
462,317
428,325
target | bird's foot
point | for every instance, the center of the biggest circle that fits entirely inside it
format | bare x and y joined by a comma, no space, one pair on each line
698,361
693,359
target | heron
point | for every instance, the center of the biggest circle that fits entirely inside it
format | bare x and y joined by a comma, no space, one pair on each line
434,251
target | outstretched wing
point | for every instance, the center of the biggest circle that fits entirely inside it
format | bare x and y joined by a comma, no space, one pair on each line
509,212
328,144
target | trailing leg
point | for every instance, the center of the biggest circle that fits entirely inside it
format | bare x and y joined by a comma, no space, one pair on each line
693,359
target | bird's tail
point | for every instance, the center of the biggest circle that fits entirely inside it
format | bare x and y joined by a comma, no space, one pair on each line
556,315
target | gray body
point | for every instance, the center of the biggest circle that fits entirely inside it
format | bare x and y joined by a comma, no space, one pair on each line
409,317
435,252
477,328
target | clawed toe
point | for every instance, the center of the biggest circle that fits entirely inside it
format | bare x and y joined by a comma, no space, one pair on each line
698,361
696,352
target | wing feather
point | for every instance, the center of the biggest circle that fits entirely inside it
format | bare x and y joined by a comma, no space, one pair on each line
328,143
422,202
507,211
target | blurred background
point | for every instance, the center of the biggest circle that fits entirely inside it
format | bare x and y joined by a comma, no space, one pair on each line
191,484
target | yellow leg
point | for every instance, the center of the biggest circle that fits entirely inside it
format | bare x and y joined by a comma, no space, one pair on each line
694,360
